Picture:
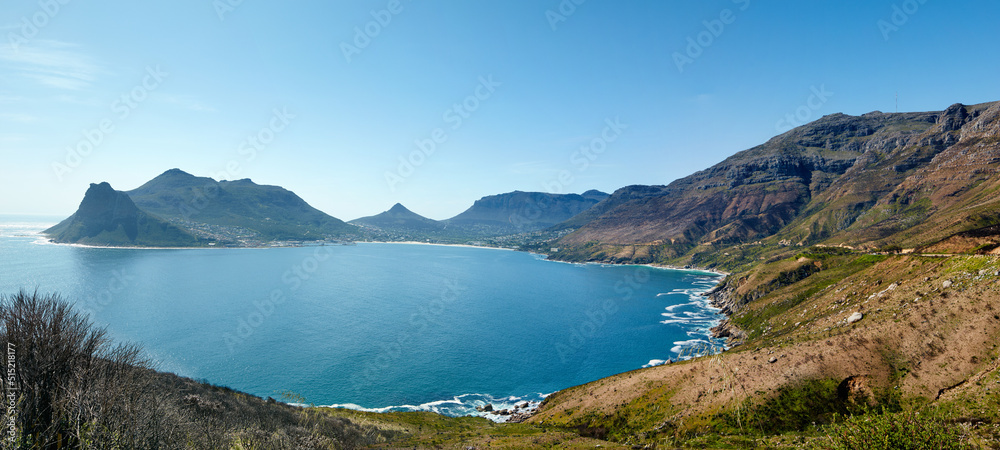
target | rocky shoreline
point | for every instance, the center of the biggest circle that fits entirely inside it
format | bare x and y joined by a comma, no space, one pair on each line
519,413
723,296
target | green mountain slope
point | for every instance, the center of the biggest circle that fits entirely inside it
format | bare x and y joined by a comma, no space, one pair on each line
108,217
235,210
521,212
402,220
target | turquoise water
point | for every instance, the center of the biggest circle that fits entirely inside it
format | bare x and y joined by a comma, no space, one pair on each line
380,326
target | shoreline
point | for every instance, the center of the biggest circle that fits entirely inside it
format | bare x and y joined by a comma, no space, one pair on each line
436,244
42,240
650,265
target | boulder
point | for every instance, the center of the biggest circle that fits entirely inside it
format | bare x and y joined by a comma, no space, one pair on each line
855,317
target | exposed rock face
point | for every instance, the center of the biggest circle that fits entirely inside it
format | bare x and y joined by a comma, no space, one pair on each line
105,209
852,179
109,217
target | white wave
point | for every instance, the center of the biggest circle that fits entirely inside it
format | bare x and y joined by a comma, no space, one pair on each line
461,405
673,307
655,362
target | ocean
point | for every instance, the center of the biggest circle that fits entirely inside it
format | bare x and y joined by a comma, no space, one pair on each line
375,326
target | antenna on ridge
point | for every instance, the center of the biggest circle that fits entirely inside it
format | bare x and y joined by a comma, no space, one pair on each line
897,101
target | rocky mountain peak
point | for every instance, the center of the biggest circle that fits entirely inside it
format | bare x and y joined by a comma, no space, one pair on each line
953,118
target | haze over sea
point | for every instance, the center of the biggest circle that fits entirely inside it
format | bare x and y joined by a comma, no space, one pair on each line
381,326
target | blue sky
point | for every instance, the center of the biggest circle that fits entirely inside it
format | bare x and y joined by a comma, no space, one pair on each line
541,95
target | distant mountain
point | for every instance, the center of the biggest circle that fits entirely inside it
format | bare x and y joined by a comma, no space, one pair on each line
107,217
872,180
238,211
520,212
594,194
400,219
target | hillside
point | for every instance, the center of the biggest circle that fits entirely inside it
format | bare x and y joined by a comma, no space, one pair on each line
522,212
402,222
865,281
854,180
504,220
107,217
237,212
925,340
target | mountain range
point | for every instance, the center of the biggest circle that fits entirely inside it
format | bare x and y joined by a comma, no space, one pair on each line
872,181
178,209
875,180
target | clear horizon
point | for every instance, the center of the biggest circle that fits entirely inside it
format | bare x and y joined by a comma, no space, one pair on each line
479,98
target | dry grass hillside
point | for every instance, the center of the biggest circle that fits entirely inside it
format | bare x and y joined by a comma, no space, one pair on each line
928,339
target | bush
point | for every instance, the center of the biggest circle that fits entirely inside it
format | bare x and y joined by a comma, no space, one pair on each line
904,430
796,407
70,386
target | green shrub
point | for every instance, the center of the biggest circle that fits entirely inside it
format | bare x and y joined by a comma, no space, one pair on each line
904,430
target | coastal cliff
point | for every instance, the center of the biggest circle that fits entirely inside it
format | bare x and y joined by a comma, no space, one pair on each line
107,217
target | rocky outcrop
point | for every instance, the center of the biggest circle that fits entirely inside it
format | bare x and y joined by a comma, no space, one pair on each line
109,217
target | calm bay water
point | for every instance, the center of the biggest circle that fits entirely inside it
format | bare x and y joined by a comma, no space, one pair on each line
391,326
